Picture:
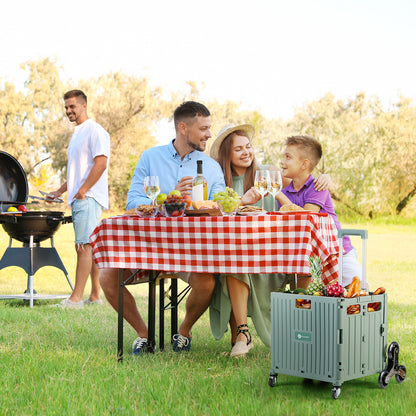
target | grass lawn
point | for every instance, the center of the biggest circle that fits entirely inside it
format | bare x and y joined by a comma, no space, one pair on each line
63,362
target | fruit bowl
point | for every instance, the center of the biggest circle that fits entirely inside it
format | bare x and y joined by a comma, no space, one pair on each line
147,211
228,201
228,209
174,209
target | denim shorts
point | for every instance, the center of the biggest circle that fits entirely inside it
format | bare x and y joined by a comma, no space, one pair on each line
86,214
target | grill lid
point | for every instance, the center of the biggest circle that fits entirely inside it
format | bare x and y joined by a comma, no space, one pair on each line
14,188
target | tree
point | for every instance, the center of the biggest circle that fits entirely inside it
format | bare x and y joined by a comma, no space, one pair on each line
32,116
344,130
16,117
35,129
129,109
396,133
368,151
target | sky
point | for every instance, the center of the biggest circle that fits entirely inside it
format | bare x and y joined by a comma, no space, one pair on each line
274,56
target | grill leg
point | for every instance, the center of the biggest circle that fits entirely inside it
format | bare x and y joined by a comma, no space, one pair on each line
31,245
30,288
56,261
31,257
69,281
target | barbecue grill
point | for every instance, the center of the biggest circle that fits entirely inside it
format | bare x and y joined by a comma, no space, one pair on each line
29,228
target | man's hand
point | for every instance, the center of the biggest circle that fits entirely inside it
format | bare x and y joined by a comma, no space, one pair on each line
184,186
100,164
79,195
55,194
58,193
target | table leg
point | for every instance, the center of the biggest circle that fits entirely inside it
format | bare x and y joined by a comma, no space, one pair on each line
120,315
151,313
174,307
161,314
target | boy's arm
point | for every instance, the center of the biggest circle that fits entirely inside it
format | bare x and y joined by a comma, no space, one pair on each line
312,207
284,200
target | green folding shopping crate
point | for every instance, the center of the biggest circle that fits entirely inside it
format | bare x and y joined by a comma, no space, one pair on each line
326,342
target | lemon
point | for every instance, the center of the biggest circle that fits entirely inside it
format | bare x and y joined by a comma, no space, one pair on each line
12,209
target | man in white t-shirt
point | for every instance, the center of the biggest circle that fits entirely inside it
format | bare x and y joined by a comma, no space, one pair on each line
87,186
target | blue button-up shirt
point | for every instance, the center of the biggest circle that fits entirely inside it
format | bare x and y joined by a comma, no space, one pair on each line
165,162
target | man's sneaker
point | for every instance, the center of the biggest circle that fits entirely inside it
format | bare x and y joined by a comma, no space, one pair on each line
181,343
139,346
88,302
68,304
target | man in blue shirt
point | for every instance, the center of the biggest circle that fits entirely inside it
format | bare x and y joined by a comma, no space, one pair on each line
175,164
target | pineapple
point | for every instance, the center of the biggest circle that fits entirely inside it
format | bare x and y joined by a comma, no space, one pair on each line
316,286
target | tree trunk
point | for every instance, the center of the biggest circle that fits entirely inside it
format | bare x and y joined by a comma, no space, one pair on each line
403,203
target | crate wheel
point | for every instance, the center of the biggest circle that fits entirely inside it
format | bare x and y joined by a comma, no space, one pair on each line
393,351
272,380
336,391
401,374
383,382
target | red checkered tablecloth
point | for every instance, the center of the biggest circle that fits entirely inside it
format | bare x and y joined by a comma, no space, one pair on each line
240,244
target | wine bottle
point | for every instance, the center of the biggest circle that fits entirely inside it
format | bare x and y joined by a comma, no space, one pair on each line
199,184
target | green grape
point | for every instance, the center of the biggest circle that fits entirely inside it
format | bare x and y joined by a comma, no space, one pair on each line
228,199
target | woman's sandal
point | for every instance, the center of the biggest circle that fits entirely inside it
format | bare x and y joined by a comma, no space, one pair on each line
242,347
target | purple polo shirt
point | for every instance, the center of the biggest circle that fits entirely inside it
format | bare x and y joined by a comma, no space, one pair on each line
309,195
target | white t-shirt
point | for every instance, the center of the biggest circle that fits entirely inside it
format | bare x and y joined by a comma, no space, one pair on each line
88,141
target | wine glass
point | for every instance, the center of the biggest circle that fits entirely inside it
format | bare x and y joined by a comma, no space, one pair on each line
275,185
261,183
152,187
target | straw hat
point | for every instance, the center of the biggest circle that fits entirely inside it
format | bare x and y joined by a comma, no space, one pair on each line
227,130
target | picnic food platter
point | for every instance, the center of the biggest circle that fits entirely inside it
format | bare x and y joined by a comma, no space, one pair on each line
250,210
247,214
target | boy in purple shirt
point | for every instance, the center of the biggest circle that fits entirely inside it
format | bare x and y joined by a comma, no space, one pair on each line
301,155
